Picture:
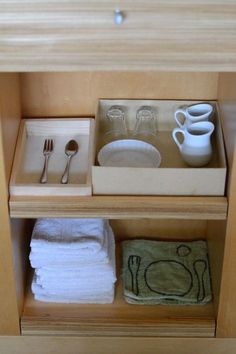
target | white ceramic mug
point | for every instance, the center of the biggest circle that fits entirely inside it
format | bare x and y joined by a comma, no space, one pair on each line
196,148
193,114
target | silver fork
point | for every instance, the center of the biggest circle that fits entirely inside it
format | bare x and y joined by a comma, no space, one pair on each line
133,265
47,151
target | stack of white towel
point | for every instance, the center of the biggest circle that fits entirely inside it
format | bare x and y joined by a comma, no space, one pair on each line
74,261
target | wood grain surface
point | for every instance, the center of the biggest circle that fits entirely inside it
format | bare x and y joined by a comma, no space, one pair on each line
226,326
64,94
101,345
9,122
80,35
120,207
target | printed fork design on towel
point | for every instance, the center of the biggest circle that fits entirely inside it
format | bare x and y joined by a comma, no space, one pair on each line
133,265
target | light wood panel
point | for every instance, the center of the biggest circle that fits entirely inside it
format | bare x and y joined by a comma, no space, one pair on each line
226,323
9,323
101,345
81,35
20,239
77,93
215,235
120,207
10,113
117,320
227,104
159,229
9,120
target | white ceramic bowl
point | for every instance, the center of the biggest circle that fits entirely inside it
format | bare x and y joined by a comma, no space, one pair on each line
129,153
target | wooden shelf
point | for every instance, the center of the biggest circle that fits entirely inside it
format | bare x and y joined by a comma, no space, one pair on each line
115,207
117,319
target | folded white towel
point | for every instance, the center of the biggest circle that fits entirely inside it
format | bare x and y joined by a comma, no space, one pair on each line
80,277
77,234
82,290
72,279
89,283
80,273
42,258
106,298
74,261
87,288
71,296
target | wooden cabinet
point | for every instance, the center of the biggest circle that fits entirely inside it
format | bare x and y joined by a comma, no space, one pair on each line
59,58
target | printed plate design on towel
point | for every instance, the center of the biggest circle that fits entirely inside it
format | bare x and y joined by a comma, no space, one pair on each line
157,283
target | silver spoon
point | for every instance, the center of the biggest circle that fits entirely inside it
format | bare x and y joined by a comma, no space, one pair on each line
70,150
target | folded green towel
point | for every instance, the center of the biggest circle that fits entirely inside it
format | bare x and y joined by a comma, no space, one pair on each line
157,272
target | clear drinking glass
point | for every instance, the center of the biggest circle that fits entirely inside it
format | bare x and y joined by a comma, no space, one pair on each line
145,126
116,124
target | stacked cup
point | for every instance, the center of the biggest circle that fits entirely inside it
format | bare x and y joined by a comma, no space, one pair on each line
145,126
129,148
116,128
196,131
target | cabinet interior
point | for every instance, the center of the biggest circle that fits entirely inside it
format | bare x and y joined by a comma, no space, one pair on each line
33,95
121,318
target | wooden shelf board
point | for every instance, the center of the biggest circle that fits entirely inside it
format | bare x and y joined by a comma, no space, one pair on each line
117,319
115,207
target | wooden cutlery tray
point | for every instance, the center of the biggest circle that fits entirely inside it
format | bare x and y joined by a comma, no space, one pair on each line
29,159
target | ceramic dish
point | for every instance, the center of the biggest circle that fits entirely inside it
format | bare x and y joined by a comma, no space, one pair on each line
129,153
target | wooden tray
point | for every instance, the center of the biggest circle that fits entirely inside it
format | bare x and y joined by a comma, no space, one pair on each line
29,158
174,176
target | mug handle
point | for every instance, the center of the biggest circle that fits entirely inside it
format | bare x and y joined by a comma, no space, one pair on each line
212,128
177,113
174,132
